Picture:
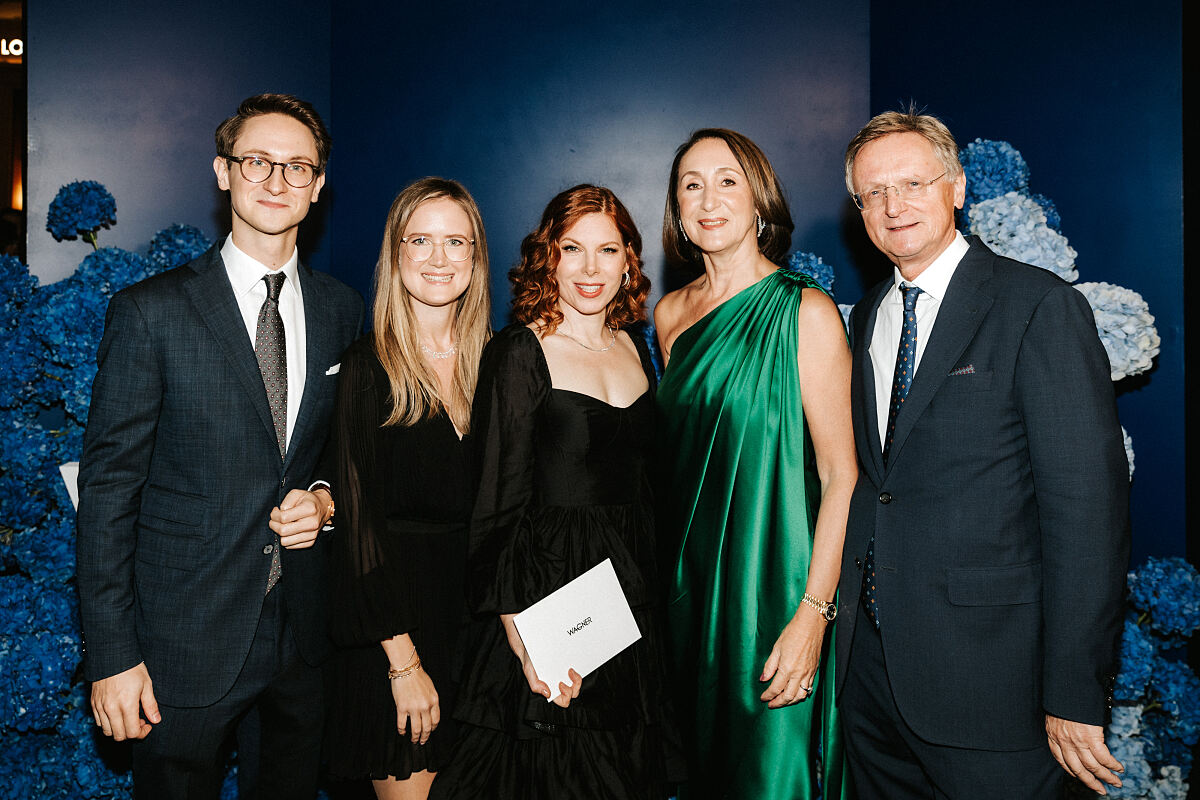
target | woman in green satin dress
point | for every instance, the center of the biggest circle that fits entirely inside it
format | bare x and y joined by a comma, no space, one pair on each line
759,467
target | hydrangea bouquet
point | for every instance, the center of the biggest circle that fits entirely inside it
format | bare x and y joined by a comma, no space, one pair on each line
48,355
1156,721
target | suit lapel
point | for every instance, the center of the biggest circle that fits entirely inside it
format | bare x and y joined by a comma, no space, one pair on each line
867,423
961,312
319,345
212,297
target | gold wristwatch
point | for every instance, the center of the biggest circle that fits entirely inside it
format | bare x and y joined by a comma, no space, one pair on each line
826,610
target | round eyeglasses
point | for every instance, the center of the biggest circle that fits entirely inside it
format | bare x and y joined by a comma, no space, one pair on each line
257,169
420,248
912,189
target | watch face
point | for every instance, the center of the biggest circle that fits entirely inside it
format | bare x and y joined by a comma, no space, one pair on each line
830,612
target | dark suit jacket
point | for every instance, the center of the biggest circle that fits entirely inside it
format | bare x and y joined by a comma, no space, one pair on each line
1001,521
179,473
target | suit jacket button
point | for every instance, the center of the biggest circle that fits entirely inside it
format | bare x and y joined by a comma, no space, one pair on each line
858,563
267,550
885,498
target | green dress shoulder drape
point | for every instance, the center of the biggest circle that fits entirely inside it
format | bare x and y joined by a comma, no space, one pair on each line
741,498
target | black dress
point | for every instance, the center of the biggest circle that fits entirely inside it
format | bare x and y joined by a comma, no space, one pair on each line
564,485
403,497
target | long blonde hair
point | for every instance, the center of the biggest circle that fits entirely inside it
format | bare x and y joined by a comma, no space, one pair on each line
414,387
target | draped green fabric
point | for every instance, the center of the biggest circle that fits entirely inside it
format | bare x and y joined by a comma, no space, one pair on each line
741,497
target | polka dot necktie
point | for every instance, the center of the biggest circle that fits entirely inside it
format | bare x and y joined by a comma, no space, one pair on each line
906,360
271,350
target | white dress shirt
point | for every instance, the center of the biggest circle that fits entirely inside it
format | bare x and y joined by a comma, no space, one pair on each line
246,277
885,340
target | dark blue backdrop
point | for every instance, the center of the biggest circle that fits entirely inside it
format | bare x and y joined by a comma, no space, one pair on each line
129,93
1091,94
522,100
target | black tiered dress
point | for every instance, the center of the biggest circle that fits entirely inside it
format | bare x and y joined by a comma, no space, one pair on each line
404,497
564,485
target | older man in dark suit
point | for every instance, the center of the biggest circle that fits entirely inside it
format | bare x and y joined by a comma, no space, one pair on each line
200,564
988,535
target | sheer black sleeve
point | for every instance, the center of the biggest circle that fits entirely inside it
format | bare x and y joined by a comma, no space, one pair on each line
371,597
513,383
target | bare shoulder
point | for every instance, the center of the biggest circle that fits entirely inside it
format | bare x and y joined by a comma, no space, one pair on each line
673,314
819,315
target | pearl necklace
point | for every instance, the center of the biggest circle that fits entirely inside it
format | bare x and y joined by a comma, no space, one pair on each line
443,354
605,349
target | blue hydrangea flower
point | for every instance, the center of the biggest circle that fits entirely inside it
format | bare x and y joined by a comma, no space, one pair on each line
80,209
1050,210
1168,590
1015,226
17,285
177,245
1162,746
110,269
1125,325
1170,784
1178,691
992,168
1127,440
650,337
812,266
1129,750
1139,654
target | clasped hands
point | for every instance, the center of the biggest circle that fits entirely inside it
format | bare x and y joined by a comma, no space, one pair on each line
124,705
299,518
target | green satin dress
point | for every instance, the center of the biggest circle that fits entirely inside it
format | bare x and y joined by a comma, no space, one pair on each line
741,501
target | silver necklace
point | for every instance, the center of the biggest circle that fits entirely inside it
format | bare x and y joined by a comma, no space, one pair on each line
443,354
605,349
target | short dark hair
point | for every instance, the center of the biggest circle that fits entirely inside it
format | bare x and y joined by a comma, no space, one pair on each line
769,200
534,280
286,104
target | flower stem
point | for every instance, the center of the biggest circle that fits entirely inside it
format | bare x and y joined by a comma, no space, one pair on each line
90,238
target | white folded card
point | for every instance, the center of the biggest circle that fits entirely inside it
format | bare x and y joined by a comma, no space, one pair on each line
579,627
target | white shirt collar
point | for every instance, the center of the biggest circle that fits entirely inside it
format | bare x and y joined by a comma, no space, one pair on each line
246,273
934,279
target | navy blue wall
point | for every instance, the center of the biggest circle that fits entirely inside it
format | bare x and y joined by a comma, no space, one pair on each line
129,93
1091,96
520,101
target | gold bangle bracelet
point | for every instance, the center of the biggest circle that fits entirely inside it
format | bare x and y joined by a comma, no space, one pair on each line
405,671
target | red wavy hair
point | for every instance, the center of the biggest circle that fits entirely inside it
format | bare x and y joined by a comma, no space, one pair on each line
534,282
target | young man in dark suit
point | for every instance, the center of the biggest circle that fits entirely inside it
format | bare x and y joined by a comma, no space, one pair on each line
988,536
200,564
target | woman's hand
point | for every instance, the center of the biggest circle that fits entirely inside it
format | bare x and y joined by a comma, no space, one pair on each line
792,665
567,693
416,705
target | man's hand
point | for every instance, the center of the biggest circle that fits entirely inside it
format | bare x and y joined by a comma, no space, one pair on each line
1081,751
299,518
116,701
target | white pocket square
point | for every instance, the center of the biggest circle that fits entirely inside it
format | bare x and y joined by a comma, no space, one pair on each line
335,369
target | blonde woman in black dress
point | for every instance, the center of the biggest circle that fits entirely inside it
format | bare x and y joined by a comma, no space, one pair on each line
402,480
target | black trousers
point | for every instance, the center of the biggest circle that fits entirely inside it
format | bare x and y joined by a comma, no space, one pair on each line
183,757
890,762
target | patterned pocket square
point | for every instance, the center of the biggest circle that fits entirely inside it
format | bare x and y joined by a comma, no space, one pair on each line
335,369
969,369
